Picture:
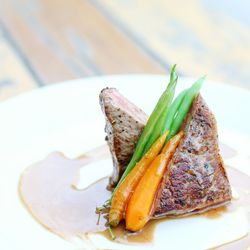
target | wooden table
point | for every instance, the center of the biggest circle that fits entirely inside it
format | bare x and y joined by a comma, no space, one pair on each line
47,41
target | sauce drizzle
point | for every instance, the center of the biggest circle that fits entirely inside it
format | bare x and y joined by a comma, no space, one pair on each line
47,192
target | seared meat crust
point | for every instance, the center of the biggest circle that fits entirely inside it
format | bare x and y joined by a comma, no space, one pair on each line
124,125
195,179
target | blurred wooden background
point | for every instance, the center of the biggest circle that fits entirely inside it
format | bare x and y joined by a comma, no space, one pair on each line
47,41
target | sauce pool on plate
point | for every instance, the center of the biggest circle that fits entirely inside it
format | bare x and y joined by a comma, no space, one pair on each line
47,190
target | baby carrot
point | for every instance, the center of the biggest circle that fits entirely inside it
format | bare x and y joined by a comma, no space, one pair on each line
123,193
139,206
138,210
172,143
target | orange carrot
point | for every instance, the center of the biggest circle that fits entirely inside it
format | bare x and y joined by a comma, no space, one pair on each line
123,193
139,206
172,142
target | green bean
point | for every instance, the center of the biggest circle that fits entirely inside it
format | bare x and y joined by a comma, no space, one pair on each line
165,121
163,102
191,93
174,109
158,129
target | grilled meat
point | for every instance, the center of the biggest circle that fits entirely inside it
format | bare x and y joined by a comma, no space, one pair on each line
195,179
124,124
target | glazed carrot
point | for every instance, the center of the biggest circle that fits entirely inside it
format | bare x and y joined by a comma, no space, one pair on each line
140,203
123,193
138,210
172,143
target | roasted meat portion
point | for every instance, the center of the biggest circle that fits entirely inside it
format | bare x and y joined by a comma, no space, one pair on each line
124,124
195,179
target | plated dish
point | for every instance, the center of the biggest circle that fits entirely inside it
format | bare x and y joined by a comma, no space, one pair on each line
71,187
166,165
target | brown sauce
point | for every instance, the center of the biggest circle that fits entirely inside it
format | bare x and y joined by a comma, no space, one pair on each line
215,213
123,236
47,191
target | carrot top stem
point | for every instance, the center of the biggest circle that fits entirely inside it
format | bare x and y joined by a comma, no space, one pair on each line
112,235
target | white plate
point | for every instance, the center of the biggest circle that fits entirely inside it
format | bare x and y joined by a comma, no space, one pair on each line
66,117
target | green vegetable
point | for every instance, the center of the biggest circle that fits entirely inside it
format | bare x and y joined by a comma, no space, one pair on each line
163,103
184,107
173,110
166,120
159,127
